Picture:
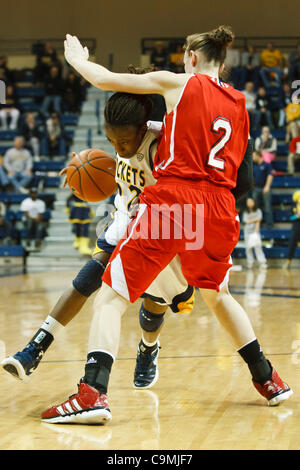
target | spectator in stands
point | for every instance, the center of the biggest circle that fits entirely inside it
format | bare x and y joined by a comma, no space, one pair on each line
284,100
46,58
261,193
80,216
233,67
5,226
266,144
33,210
159,56
262,113
31,134
54,143
10,110
250,100
294,64
294,154
54,90
18,164
72,94
176,60
252,218
271,62
6,74
295,234
292,112
250,61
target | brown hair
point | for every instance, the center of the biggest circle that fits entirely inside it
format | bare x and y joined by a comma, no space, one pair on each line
139,70
212,44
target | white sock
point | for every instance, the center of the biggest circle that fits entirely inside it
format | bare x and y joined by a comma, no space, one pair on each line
146,343
52,326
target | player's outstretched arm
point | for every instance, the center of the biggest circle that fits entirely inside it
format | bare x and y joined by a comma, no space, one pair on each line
154,82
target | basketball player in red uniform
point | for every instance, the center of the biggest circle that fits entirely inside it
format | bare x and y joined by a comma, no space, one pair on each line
203,143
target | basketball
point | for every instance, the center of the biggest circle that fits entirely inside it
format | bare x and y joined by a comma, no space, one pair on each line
91,175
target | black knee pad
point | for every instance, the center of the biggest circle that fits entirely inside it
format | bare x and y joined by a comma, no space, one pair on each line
150,322
89,278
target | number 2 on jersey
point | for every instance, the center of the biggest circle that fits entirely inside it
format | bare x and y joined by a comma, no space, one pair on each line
221,126
132,189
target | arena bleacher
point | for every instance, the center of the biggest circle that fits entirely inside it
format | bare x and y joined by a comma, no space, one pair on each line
30,93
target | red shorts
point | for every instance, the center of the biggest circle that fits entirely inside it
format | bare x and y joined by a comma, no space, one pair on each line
196,220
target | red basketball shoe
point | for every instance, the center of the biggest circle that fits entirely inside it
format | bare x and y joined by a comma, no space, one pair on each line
274,390
87,406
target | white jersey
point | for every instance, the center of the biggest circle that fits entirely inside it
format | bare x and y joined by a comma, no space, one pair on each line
134,174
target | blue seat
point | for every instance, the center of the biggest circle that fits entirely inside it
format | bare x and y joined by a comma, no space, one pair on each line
12,250
16,198
275,233
282,215
48,166
8,135
282,149
273,90
30,106
286,182
69,133
271,233
31,92
70,119
52,182
282,199
10,215
274,252
279,134
280,165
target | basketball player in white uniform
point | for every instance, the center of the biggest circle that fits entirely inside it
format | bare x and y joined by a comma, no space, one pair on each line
134,138
132,175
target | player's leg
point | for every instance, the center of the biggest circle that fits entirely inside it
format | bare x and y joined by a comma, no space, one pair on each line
151,318
87,281
121,285
90,404
168,289
235,321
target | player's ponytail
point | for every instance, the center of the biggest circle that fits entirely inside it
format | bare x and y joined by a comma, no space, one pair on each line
212,44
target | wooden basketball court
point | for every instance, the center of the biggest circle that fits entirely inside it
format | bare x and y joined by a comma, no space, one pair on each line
204,398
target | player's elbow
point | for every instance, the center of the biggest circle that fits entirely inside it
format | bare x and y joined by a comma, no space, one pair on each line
104,81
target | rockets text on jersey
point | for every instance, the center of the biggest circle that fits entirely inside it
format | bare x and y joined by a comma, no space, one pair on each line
135,173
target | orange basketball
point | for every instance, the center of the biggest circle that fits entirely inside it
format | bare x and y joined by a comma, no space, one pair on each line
91,175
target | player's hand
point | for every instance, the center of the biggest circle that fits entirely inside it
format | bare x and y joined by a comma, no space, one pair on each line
64,171
134,207
74,51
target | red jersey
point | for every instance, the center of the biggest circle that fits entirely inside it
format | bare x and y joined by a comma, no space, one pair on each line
206,135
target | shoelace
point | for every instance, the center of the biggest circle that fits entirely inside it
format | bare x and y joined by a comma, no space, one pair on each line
29,354
144,360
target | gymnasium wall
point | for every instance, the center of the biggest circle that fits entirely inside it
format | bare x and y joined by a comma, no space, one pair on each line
118,25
